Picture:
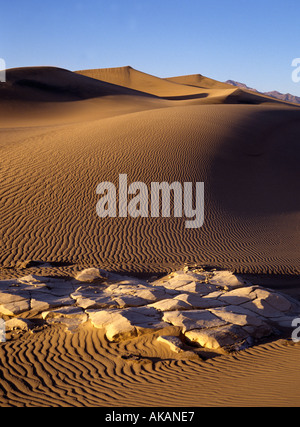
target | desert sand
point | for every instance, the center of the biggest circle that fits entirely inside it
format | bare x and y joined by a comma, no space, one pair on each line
61,134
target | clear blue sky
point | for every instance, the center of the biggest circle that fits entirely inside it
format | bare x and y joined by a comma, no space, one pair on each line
252,41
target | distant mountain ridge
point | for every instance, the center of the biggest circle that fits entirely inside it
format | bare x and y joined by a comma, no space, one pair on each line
274,94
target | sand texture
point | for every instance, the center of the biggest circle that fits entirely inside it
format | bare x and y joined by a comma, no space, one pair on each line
53,158
61,134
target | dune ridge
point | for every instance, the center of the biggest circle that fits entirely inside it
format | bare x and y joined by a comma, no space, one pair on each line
94,372
137,80
200,81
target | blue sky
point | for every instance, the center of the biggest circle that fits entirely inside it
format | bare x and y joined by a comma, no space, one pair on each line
252,41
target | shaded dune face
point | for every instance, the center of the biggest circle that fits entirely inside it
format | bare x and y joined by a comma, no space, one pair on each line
246,155
130,78
50,194
50,84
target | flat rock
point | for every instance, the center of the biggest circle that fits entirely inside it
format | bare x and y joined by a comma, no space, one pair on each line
118,295
238,315
174,343
179,279
43,301
92,275
262,308
239,295
285,322
171,304
14,302
70,312
222,337
194,319
197,301
227,280
275,300
92,297
127,323
70,324
198,288
69,316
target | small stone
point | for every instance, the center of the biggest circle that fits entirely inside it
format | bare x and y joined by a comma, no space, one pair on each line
227,280
192,319
92,275
18,323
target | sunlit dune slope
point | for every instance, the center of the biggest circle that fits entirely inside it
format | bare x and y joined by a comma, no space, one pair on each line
63,133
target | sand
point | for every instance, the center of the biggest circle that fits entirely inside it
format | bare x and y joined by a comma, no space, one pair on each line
61,134
55,368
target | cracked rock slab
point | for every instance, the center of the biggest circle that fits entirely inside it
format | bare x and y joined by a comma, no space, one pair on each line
193,319
92,275
174,343
238,315
128,323
214,309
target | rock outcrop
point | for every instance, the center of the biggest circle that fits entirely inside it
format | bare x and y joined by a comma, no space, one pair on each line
214,310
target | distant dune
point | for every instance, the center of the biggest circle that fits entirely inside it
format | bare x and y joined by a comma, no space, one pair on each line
274,94
176,88
133,79
55,84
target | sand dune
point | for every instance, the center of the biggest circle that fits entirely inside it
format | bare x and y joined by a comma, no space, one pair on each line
49,95
56,84
215,87
51,174
197,87
61,134
164,88
136,80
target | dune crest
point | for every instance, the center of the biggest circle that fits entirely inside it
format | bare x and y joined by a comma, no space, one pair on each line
137,80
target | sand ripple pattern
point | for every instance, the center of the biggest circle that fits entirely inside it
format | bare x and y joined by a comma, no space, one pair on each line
55,368
49,180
